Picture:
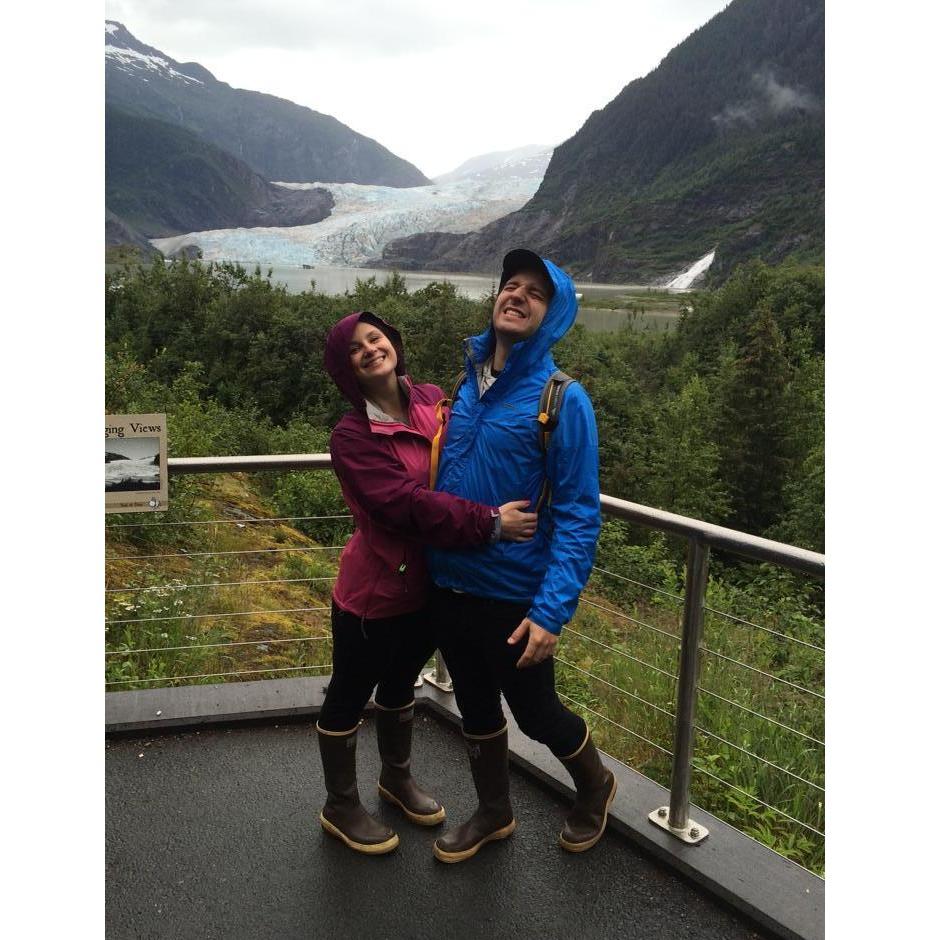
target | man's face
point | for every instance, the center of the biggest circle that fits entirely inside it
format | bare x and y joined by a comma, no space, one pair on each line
520,306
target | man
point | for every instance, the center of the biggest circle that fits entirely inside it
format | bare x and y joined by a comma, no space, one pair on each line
500,609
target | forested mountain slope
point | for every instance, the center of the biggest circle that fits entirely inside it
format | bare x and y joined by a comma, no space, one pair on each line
162,180
721,146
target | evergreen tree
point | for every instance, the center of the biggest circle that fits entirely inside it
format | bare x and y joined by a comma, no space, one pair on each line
753,426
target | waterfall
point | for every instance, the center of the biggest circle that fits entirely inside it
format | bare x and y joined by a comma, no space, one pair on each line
685,280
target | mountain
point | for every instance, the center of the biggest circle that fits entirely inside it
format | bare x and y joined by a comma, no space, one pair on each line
162,180
365,218
721,147
278,139
530,161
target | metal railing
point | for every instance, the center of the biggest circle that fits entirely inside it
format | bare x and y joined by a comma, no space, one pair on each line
700,538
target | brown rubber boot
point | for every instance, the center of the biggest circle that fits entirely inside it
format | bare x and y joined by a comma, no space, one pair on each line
344,816
489,764
596,787
393,727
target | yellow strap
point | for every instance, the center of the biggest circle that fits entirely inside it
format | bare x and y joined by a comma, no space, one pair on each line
436,443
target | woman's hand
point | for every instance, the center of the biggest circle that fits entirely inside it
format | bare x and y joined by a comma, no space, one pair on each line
516,525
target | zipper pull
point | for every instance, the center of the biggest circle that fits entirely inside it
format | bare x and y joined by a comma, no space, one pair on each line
403,567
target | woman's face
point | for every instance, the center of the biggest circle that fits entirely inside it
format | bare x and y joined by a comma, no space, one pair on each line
371,354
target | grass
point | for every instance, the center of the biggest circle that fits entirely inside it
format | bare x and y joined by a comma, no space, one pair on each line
234,599
758,761
760,769
656,310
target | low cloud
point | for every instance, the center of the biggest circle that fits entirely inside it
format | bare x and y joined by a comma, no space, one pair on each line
770,100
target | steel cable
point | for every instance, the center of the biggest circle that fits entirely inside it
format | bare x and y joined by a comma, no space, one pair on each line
750,711
246,551
766,675
241,613
757,626
209,646
720,613
591,639
751,796
212,584
615,723
217,675
144,525
617,688
757,757
640,623
649,587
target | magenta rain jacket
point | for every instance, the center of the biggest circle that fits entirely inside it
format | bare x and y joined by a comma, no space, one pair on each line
383,472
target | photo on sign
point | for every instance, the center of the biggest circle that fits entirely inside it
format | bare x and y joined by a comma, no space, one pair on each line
131,464
136,475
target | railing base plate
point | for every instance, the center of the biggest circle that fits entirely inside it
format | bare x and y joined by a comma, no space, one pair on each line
692,833
431,678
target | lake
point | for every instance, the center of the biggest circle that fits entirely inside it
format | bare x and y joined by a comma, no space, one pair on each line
609,306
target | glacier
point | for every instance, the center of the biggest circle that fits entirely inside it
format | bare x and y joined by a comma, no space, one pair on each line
366,217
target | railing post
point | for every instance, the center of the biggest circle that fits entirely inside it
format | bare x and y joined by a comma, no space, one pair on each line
439,675
675,817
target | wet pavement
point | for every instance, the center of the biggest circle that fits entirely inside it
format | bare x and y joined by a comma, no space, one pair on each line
214,833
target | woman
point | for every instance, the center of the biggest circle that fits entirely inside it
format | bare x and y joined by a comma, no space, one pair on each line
381,452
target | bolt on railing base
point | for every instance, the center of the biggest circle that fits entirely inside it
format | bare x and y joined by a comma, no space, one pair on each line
692,832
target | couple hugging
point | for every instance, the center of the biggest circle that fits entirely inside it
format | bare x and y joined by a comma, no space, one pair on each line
475,533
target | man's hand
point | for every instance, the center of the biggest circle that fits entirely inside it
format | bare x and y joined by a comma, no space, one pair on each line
541,643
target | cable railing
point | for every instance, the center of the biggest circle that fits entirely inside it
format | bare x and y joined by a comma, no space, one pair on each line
630,661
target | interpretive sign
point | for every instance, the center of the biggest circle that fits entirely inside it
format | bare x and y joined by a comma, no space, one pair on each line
135,471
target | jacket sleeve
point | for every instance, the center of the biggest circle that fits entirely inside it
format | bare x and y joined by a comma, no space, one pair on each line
572,469
381,484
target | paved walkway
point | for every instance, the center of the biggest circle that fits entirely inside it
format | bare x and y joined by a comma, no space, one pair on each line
215,834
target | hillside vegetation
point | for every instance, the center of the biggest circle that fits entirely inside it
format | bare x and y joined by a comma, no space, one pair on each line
720,419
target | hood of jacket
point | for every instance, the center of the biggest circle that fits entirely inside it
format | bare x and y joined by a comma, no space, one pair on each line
559,318
336,354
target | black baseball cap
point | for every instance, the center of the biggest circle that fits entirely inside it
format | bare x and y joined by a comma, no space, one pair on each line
521,259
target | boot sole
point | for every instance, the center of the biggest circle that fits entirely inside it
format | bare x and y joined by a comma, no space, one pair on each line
451,857
431,819
584,846
366,848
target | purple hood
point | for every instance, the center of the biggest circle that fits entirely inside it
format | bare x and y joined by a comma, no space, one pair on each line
336,353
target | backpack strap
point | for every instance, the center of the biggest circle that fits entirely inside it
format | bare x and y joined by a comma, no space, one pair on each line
553,394
438,441
459,381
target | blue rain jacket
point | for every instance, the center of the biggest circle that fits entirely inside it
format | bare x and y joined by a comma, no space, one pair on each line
492,456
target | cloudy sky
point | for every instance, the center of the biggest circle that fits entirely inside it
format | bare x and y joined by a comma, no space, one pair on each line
434,82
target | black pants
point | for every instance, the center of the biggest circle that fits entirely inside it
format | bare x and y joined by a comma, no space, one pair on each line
472,632
383,655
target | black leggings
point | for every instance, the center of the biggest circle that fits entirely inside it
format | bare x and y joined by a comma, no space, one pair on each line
384,655
472,635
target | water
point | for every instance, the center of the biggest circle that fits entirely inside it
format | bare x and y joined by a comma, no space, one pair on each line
336,280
